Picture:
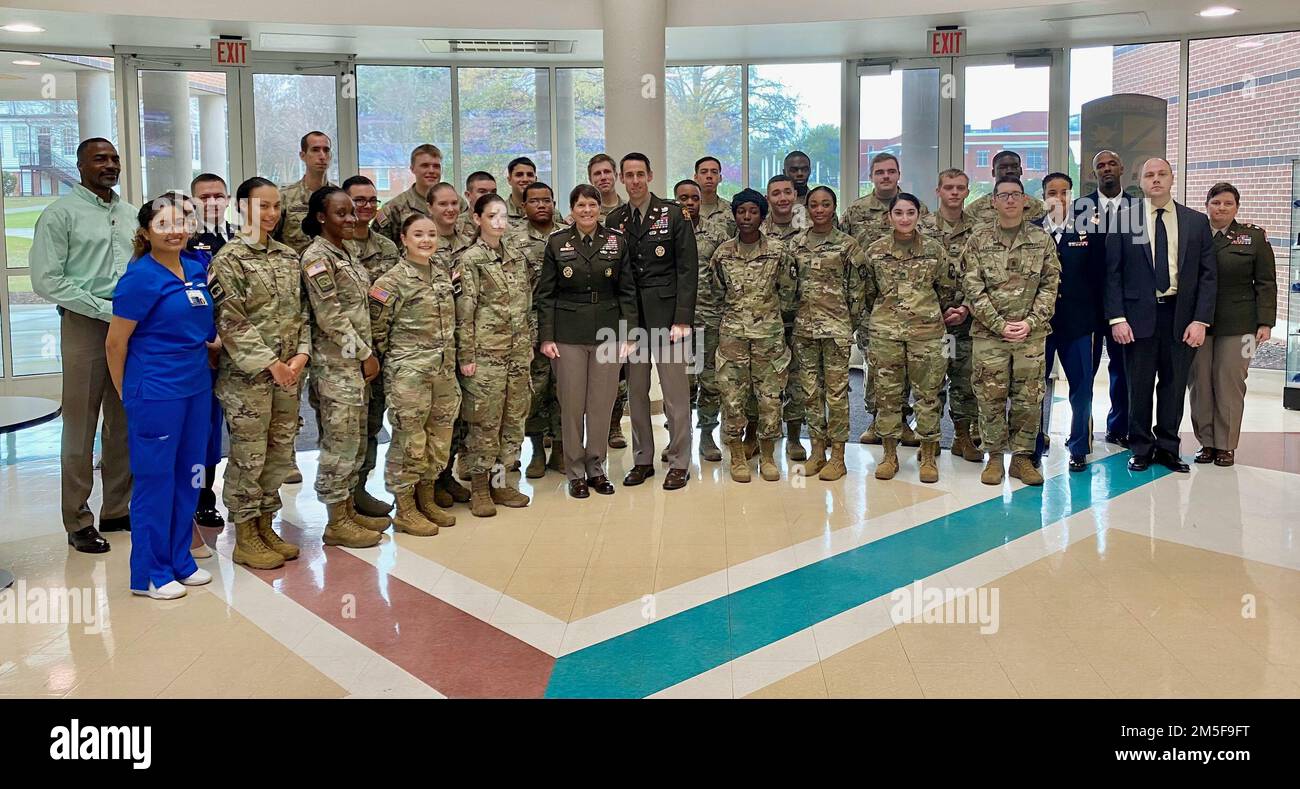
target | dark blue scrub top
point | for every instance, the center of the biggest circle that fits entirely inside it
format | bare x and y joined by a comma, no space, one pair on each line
167,355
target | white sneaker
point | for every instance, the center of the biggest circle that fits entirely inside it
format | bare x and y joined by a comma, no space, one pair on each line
198,578
201,551
169,591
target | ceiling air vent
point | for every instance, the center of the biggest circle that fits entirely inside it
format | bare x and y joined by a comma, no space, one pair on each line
444,46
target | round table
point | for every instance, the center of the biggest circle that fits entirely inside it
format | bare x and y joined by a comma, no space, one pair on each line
17,413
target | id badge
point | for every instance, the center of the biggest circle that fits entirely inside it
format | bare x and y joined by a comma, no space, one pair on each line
197,298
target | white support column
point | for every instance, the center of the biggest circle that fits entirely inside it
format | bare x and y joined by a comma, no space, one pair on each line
95,104
212,134
634,83
168,145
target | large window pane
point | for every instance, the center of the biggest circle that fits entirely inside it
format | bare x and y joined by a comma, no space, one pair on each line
398,108
1097,72
1006,109
1243,127
580,125
794,107
703,109
33,329
287,106
183,128
900,114
504,113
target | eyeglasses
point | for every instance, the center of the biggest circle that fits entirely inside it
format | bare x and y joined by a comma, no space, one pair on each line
362,202
539,201
1007,195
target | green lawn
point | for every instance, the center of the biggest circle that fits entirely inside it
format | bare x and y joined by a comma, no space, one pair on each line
26,219
16,250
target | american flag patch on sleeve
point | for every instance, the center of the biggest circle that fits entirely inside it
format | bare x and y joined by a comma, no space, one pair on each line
380,295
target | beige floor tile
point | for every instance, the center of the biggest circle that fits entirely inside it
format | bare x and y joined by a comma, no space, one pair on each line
1019,643
214,676
136,676
496,575
963,680
1147,679
556,554
556,604
855,679
941,643
668,576
805,684
586,605
622,581
545,580
294,678
1056,680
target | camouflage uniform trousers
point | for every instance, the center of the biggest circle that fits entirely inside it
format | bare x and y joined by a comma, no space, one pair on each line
262,419
544,412
756,369
342,439
375,408
708,403
792,398
1006,371
422,407
862,339
900,364
495,404
823,381
957,395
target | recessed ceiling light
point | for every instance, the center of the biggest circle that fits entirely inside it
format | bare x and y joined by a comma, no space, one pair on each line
27,62
22,27
1217,10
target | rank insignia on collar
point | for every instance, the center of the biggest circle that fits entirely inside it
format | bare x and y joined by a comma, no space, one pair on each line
568,272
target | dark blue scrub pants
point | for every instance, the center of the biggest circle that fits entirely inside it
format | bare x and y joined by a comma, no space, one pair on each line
168,441
1076,360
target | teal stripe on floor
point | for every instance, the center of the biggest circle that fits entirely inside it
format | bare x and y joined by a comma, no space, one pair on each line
671,650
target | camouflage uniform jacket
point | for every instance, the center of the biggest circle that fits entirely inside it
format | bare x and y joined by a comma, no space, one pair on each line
909,285
1010,283
495,304
532,242
755,291
413,315
388,222
376,254
262,316
867,219
721,215
831,285
293,202
984,212
337,286
708,302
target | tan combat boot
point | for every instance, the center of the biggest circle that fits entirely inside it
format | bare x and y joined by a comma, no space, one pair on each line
992,474
739,462
480,501
556,461
537,463
342,530
428,506
1022,468
366,521
888,466
767,468
909,439
816,458
410,520
963,444
272,540
751,439
869,436
793,443
250,551
834,468
507,495
929,462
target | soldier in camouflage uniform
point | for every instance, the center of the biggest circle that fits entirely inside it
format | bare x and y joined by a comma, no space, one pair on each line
982,209
713,208
413,320
426,167
753,274
708,316
478,184
783,224
909,283
494,350
544,413
951,226
262,320
831,290
519,174
316,154
867,220
343,362
377,255
1010,276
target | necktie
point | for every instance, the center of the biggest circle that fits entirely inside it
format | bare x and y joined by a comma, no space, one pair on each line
1161,261
636,218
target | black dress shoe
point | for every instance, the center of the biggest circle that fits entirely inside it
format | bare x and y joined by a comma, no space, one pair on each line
1139,463
88,541
1078,463
1206,455
638,474
676,478
1116,438
578,489
115,524
1170,461
209,518
601,485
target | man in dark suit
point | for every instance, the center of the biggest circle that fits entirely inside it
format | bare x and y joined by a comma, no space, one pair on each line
209,191
664,261
1078,313
1160,296
1098,213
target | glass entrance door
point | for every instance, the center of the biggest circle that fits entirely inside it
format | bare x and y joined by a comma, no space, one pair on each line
901,110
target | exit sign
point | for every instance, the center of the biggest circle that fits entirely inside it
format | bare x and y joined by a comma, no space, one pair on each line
947,43
229,52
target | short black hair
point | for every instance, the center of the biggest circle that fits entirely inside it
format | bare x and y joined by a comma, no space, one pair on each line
481,204
583,190
684,182
245,189
780,177
1223,187
479,175
1053,176
905,197
1004,154
827,190
634,157
302,144
704,159
89,141
204,177
357,180
794,154
1007,179
518,160
538,185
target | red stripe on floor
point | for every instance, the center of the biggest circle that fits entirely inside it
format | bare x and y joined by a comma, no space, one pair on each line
456,654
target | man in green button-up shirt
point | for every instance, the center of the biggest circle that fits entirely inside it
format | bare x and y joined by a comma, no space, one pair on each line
80,248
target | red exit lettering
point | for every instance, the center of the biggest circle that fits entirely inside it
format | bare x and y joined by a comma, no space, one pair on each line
947,43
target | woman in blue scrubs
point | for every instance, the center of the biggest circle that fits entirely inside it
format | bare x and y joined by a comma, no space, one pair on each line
157,346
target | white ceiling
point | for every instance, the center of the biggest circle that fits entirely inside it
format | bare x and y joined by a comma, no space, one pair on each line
697,30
